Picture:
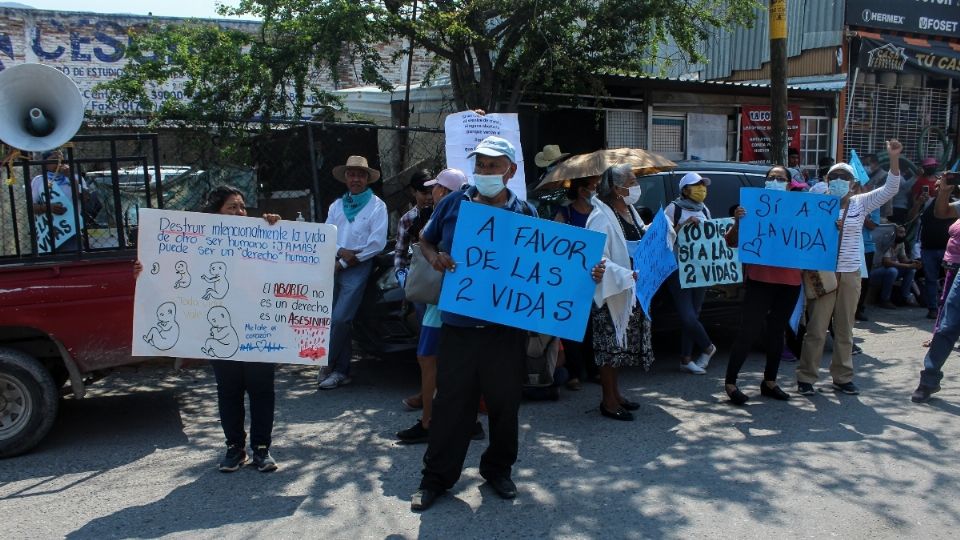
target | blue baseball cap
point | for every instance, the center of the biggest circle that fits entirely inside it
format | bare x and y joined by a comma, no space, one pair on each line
494,146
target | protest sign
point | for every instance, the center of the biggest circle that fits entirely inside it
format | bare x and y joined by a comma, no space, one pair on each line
703,255
465,130
64,225
789,229
521,271
233,288
755,131
653,260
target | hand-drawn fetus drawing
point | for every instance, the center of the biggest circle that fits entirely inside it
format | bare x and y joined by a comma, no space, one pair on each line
183,276
166,333
217,279
223,341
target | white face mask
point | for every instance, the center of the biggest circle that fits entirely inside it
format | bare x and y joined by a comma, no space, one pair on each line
839,187
489,185
775,185
633,196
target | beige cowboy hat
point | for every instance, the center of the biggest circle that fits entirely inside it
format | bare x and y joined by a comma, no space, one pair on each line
550,154
355,162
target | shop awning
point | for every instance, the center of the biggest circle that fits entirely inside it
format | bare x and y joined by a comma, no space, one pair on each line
901,54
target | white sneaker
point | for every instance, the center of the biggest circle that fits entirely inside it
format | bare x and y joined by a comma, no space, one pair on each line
334,380
704,359
692,367
323,373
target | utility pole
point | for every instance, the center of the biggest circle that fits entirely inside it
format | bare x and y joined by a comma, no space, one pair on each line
778,81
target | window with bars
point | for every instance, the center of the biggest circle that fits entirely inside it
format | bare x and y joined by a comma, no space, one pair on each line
879,113
626,129
814,140
669,136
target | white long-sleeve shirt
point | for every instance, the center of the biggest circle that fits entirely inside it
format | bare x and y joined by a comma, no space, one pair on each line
367,234
857,210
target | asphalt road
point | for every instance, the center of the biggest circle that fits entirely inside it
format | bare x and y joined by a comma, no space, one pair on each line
137,459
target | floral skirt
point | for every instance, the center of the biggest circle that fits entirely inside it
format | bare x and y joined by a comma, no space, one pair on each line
607,352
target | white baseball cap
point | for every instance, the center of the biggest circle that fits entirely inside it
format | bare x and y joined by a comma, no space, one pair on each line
692,178
452,179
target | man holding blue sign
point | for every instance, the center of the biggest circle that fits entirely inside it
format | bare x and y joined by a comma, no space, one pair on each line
476,357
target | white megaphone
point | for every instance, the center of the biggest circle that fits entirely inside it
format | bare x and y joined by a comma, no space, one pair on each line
40,107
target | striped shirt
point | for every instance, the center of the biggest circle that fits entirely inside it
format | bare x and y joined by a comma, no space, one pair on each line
857,210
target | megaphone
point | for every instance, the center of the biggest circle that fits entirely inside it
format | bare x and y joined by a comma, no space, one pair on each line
40,107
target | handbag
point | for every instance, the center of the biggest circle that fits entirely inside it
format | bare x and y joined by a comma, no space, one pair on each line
817,283
423,281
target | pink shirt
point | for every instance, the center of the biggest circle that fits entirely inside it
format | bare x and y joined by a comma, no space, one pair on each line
952,254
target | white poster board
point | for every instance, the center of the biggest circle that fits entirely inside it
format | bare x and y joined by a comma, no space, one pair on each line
464,131
709,140
234,288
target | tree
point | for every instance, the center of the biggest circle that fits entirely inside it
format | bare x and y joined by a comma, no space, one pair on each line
494,51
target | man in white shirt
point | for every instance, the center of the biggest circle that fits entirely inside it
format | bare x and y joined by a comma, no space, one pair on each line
361,221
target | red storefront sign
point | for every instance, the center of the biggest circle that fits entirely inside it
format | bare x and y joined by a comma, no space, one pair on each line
755,132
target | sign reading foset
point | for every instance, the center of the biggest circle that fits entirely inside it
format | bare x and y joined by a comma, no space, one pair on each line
233,288
521,271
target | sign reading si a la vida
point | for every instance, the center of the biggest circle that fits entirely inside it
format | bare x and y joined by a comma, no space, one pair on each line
233,288
703,256
653,260
521,271
789,229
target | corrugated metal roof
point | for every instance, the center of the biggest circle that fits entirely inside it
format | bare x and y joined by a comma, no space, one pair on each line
829,83
811,24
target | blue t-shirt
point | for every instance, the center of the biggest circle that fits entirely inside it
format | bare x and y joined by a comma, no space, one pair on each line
442,225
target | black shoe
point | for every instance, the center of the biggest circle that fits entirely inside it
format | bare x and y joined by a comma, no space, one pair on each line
923,392
805,389
775,392
931,314
619,414
854,350
235,458
415,434
504,487
478,434
737,397
860,316
423,499
630,405
847,388
262,459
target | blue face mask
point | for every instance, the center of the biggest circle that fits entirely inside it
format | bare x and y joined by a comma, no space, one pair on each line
839,187
775,185
489,185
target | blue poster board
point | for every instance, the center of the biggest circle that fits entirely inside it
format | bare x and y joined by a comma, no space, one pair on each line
704,257
522,271
789,229
653,260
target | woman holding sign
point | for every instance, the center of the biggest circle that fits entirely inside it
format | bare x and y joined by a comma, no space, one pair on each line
769,298
841,303
621,333
688,208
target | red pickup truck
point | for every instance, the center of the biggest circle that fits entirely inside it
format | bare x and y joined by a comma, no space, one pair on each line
60,322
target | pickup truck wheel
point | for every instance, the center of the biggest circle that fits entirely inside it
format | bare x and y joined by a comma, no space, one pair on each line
28,402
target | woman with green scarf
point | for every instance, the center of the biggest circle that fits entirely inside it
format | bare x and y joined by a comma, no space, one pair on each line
361,221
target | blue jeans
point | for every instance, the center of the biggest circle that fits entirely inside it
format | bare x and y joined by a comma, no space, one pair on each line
688,303
886,276
348,288
943,339
931,259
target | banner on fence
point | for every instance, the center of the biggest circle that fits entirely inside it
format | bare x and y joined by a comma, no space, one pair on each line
653,260
521,271
703,256
233,288
464,131
789,229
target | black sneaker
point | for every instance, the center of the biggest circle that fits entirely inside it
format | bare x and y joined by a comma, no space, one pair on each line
847,388
855,350
478,434
235,458
262,459
423,499
923,392
415,434
805,389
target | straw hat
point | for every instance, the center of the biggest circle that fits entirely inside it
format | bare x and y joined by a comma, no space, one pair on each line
549,155
355,162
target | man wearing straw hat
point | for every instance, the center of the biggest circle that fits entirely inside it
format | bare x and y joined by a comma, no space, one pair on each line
361,221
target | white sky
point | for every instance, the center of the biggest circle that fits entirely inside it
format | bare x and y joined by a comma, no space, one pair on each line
166,8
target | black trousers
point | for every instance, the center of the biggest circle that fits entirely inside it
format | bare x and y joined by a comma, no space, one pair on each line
256,379
580,362
770,303
488,361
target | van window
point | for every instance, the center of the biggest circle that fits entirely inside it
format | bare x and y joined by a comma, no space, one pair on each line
652,194
723,195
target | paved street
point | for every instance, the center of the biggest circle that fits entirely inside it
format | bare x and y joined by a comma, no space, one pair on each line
137,459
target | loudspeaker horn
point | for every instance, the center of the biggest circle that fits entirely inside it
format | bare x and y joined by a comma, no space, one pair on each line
40,107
